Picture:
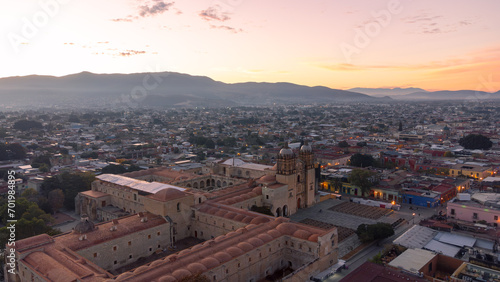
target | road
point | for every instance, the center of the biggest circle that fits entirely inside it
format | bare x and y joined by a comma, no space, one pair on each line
370,251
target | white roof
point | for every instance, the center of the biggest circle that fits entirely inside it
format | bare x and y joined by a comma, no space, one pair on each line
239,163
455,239
412,260
445,249
141,185
491,179
416,237
484,244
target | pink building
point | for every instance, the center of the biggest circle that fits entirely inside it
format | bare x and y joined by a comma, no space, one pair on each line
478,208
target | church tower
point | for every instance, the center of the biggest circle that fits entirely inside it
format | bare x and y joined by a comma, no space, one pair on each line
286,161
306,156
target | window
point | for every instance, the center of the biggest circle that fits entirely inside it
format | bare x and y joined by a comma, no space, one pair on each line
474,216
149,236
129,256
178,206
430,267
158,233
135,197
249,259
495,217
129,243
227,271
115,262
453,211
150,249
267,197
114,248
239,264
95,255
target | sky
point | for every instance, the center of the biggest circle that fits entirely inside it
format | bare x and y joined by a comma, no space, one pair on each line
434,45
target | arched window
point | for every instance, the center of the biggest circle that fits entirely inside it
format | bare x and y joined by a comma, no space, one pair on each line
178,206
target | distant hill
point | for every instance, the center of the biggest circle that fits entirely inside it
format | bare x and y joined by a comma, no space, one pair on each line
450,95
380,92
165,89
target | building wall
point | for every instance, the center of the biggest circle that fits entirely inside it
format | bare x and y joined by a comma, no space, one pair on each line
179,210
420,200
276,198
121,251
207,226
121,197
465,212
477,173
25,274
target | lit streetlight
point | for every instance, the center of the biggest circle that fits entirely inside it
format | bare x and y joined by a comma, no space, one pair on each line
413,221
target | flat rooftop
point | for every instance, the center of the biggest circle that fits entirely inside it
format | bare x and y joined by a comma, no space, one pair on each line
140,185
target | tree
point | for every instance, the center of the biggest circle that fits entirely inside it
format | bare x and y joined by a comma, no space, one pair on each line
475,141
400,127
361,160
113,169
343,144
70,183
363,179
448,154
25,125
368,233
11,152
361,144
56,200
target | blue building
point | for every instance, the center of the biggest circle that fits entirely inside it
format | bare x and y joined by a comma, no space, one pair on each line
420,198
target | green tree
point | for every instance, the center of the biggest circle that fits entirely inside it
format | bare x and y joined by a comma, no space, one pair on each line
364,179
113,169
371,232
56,200
475,141
343,144
361,144
361,160
11,152
448,154
25,125
70,183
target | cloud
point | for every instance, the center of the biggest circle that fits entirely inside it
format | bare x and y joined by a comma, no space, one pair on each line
155,8
226,27
427,23
129,18
214,13
476,60
425,17
158,7
128,53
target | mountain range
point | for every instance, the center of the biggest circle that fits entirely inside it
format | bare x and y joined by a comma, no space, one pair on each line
163,89
170,89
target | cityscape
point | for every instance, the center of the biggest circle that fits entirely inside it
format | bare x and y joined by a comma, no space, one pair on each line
249,141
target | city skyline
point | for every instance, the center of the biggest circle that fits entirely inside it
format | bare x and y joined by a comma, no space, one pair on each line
448,45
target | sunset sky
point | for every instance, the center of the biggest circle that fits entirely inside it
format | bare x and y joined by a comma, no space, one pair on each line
434,45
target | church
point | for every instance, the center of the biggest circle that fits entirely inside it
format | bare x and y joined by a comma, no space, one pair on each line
144,213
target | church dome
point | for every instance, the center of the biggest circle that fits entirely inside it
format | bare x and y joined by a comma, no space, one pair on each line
85,225
285,152
306,148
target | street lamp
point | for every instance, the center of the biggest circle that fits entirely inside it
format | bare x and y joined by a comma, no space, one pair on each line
413,220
